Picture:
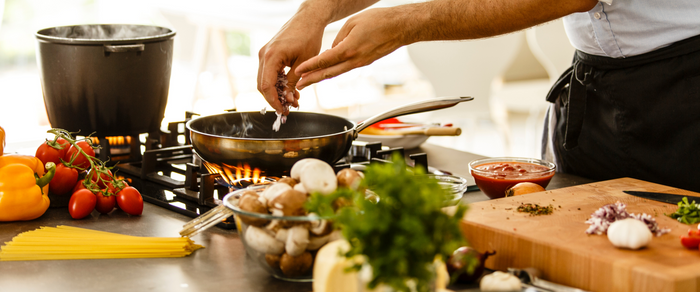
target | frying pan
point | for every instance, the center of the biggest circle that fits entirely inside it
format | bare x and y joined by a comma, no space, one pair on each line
246,138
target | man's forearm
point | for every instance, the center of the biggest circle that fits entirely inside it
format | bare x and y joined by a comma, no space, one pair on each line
328,11
471,19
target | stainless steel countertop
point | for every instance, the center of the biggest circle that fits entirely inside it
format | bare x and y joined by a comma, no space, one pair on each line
221,266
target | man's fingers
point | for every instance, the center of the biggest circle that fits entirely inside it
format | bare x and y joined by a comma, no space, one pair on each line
322,74
266,86
324,60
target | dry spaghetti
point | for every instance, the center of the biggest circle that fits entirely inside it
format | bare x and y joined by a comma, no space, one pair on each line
73,243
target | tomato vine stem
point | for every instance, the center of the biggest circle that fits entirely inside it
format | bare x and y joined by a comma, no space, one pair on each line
97,167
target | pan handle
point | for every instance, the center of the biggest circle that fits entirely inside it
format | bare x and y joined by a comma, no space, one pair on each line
411,108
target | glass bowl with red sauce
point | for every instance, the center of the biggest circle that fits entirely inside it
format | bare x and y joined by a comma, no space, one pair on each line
495,175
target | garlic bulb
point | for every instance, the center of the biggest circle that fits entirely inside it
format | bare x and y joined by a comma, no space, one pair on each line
500,281
629,233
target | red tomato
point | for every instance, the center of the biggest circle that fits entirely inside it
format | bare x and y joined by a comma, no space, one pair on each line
103,178
64,180
80,159
105,204
112,189
81,204
79,186
129,199
692,240
46,153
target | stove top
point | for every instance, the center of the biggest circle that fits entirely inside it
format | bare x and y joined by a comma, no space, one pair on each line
169,174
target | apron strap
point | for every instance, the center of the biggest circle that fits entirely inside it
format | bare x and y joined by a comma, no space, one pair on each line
571,88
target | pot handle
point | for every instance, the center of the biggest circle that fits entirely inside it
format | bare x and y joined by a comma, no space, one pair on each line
125,48
412,108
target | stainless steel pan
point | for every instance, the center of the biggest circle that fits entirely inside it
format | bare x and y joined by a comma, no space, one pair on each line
247,138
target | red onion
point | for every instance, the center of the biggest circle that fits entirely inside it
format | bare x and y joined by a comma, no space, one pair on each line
459,262
602,218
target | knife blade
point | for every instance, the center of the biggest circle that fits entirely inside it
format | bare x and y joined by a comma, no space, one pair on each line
663,197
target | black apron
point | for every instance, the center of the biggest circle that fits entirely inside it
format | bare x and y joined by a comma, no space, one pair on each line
633,117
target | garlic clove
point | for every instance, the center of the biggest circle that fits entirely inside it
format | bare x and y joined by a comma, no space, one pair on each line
629,233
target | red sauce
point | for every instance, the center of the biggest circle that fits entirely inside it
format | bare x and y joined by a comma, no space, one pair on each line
496,177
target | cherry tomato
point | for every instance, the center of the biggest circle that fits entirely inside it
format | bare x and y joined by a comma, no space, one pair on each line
112,189
80,159
692,240
129,199
103,178
105,204
81,204
64,180
46,153
79,186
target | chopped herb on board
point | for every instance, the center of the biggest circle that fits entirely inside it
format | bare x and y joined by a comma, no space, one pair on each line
535,209
687,213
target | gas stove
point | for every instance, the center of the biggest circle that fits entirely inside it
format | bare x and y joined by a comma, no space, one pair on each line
168,173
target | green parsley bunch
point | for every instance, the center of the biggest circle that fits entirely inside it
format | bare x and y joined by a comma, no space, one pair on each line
401,230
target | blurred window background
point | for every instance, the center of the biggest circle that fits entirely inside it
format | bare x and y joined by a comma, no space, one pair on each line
215,67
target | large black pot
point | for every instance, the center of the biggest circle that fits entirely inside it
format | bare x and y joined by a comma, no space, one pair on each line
109,79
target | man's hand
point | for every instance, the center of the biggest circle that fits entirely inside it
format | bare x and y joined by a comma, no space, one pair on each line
297,41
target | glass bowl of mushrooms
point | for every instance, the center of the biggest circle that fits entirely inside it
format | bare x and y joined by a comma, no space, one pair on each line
276,229
279,236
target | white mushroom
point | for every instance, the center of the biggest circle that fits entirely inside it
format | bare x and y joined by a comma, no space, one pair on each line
275,190
300,188
316,242
318,176
282,234
297,240
262,240
296,170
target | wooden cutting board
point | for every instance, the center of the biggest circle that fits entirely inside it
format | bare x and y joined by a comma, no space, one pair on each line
558,245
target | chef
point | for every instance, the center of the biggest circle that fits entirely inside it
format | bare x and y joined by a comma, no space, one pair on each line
629,106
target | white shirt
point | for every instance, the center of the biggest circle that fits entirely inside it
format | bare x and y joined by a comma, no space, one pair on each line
624,28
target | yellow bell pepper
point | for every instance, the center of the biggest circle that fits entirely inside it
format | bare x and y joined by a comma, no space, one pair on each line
24,188
2,140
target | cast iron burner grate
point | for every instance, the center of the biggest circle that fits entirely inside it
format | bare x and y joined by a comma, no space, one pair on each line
169,174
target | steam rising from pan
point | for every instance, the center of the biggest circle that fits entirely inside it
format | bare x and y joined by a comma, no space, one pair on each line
241,129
